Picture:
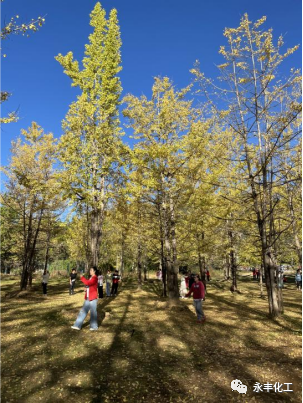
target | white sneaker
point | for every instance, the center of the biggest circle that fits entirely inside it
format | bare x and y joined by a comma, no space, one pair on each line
93,329
75,327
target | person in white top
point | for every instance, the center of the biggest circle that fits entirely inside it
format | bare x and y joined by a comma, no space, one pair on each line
45,277
183,289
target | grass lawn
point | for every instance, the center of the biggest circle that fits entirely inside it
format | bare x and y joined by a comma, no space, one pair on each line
146,350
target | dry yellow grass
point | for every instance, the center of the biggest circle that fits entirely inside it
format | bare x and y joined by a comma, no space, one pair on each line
146,350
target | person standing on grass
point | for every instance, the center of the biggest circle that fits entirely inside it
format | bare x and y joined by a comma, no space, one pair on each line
72,282
198,291
90,301
299,279
45,278
100,285
183,287
108,279
116,279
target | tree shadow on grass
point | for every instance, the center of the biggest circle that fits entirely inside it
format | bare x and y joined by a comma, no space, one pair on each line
141,353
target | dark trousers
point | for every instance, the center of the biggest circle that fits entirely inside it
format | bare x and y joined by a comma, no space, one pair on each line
71,288
114,288
100,291
44,287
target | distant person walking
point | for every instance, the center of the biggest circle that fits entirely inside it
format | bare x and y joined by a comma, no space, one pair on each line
116,279
198,291
299,279
72,282
254,273
258,274
45,278
207,275
90,301
108,279
100,285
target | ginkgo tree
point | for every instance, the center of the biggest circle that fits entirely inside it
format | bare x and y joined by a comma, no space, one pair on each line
263,111
91,148
32,194
160,124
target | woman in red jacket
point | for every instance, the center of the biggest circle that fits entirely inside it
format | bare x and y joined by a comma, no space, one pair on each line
198,291
90,301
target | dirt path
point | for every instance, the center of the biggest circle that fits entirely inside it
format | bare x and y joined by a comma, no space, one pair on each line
146,351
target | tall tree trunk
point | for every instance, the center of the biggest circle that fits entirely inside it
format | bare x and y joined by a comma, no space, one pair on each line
97,215
95,234
173,286
139,264
139,247
227,267
163,269
161,212
30,251
233,265
261,280
122,255
47,249
201,259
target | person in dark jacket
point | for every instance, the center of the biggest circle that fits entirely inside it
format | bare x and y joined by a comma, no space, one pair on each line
90,301
72,281
116,279
198,291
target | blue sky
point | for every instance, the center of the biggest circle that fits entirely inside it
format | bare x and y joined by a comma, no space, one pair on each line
160,37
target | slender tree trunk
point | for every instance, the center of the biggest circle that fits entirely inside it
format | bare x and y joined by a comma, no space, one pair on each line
163,269
122,255
227,267
30,252
47,249
97,215
139,264
233,265
261,280
95,236
139,247
173,283
161,212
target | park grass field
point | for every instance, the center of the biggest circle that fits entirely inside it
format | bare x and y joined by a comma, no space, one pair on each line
147,350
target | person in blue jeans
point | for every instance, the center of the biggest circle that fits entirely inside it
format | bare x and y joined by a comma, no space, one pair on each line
108,279
90,302
299,279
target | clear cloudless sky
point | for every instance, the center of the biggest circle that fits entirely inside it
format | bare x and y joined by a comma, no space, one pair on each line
160,37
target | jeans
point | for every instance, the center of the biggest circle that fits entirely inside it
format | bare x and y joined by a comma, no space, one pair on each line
44,286
71,288
108,285
88,306
198,307
100,291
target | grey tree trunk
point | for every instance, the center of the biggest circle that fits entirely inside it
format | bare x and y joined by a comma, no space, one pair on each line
233,265
173,287
30,250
